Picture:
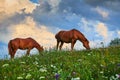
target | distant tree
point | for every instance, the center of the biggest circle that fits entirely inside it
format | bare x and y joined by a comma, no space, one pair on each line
115,42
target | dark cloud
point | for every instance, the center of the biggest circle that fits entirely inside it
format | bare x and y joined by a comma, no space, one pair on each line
71,6
44,7
81,8
43,14
95,2
12,20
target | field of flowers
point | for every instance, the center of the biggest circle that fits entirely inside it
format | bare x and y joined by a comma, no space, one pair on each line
96,64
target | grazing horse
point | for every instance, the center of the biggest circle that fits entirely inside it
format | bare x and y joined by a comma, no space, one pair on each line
71,36
20,43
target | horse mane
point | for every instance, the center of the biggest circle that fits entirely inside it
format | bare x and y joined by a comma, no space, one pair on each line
80,33
77,31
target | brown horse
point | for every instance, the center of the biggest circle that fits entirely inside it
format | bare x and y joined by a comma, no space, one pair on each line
20,43
71,36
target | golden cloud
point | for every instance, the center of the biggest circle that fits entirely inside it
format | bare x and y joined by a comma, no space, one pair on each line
102,30
28,28
10,7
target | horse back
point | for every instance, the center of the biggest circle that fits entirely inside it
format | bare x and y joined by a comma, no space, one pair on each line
23,43
64,36
28,42
57,36
14,42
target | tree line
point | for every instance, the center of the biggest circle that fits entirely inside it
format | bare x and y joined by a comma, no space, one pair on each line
115,42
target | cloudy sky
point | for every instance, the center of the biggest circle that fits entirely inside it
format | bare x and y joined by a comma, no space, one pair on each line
98,20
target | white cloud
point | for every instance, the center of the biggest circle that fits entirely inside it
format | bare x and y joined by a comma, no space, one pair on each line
102,12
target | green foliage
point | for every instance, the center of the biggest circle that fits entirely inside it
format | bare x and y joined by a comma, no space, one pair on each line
97,64
115,42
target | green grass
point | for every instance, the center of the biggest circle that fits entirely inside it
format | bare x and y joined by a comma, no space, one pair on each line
97,64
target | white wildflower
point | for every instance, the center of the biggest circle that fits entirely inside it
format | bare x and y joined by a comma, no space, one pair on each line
19,77
42,77
28,76
22,62
43,70
101,72
75,78
89,54
5,65
35,63
53,66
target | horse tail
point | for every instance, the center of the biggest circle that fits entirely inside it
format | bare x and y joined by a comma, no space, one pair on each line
10,47
58,34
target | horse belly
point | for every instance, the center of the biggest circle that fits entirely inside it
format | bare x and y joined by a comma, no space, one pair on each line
66,40
23,48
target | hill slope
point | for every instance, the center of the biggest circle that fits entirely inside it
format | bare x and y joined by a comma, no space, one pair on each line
97,64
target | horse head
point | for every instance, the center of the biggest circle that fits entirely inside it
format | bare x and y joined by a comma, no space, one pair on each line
86,44
41,49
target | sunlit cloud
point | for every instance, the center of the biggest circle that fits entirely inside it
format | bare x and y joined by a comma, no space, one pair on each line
9,8
12,6
102,30
28,28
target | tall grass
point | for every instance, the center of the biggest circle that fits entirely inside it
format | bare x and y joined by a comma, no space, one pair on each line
97,64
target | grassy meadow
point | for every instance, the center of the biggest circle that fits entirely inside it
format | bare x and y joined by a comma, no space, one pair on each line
96,64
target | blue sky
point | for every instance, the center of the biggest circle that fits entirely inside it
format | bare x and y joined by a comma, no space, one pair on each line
35,1
97,20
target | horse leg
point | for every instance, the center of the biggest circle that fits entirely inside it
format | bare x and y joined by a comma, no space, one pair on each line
12,56
57,44
61,45
13,53
28,51
72,44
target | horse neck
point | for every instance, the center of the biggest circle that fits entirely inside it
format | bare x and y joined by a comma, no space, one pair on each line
81,37
37,46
